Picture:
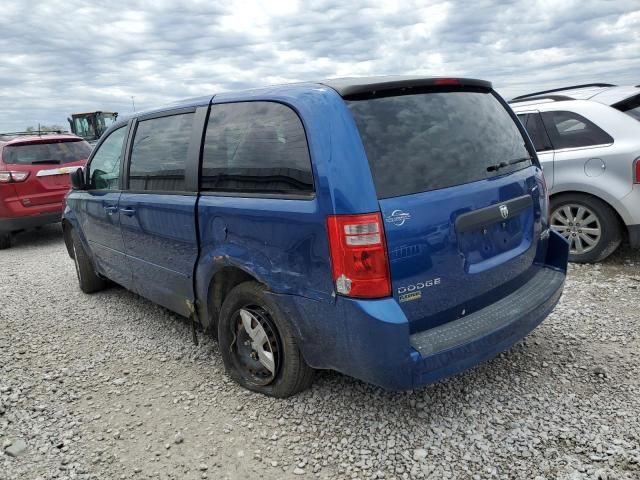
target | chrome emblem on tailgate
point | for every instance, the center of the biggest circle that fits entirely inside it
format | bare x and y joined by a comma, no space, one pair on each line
398,217
504,211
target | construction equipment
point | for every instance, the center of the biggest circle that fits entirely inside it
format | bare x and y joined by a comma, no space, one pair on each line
91,125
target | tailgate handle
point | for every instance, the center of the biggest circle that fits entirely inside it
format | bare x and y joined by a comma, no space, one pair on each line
129,212
482,217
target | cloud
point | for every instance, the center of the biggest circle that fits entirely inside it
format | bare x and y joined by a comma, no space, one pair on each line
64,58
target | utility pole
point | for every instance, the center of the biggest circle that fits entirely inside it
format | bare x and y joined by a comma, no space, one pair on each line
133,103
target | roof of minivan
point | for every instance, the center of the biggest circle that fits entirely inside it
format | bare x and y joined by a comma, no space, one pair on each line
345,87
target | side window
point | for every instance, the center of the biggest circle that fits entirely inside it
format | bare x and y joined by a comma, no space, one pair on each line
159,154
535,128
570,130
104,169
256,147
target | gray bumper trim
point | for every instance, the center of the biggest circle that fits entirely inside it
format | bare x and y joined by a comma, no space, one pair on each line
544,285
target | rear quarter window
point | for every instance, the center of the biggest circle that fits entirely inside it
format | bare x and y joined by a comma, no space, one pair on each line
571,130
256,148
416,143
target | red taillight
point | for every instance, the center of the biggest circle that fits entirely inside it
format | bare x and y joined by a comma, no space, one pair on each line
636,169
13,176
447,81
359,255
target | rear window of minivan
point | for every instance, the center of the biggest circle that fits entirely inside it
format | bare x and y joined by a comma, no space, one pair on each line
428,141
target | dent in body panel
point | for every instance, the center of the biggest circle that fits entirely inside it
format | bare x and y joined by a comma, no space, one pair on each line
281,243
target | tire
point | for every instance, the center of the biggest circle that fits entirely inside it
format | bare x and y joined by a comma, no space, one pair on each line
89,281
569,212
244,361
5,241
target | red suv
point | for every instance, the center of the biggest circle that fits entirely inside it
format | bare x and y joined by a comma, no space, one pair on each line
34,178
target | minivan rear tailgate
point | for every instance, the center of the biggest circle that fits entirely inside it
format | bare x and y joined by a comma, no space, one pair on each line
454,250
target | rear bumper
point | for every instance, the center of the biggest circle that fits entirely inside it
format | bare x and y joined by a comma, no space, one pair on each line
634,235
370,339
31,221
463,343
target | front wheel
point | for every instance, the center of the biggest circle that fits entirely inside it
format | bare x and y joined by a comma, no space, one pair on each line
258,347
88,279
590,225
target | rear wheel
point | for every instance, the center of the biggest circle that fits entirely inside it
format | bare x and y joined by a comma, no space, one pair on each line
5,240
89,281
258,347
590,225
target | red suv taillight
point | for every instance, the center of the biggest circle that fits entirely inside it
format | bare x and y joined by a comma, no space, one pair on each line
359,255
13,176
636,170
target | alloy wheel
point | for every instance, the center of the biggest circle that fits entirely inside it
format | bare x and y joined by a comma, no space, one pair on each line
579,225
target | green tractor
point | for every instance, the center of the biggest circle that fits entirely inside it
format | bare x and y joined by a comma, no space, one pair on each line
91,125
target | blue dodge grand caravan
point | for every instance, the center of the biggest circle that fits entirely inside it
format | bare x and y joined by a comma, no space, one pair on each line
394,229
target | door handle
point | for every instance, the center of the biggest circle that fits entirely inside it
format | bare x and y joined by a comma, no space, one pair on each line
129,212
110,209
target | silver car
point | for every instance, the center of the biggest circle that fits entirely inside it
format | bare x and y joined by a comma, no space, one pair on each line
588,141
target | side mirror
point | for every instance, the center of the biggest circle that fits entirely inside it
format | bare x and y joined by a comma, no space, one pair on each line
78,181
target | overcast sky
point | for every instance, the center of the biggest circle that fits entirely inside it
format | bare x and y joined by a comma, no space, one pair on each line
73,56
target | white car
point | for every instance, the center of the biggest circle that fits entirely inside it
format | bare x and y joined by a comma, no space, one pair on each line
588,141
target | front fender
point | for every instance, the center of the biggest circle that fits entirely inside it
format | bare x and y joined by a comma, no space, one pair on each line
69,222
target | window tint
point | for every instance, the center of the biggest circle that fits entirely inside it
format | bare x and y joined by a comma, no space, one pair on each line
256,147
630,106
104,170
56,152
570,130
159,153
533,123
421,142
83,128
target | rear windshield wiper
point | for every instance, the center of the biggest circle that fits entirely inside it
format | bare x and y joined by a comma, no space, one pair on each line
50,160
498,166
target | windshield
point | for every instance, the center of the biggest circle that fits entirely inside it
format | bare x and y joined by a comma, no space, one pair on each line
83,127
60,152
428,141
104,122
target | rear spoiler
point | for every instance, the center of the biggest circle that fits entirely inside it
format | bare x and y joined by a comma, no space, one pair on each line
33,133
360,88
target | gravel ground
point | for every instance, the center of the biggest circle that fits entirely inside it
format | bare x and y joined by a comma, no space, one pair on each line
111,386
